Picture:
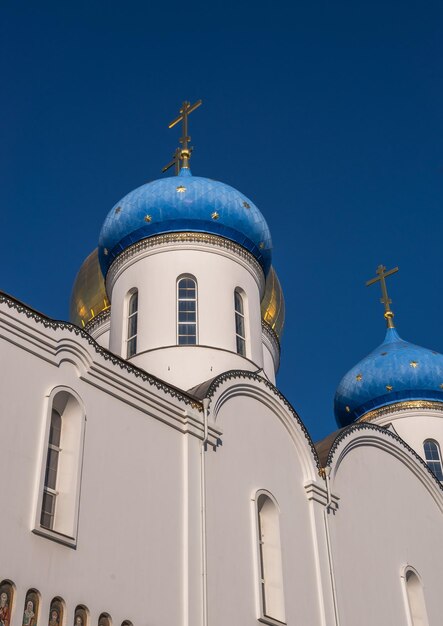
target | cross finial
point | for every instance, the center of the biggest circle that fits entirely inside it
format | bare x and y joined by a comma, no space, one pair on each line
183,154
382,275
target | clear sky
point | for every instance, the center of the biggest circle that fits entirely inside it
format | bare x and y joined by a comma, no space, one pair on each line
329,116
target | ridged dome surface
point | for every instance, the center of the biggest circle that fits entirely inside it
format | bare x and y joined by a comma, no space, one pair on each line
396,371
184,203
88,297
273,304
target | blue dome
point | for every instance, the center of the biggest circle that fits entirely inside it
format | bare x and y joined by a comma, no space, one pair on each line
396,371
184,203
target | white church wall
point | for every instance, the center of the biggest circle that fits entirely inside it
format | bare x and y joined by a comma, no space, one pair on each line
129,555
389,518
257,452
268,364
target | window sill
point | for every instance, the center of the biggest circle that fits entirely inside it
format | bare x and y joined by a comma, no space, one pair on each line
264,619
53,535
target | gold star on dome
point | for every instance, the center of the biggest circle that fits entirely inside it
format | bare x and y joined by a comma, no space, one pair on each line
215,215
359,377
389,387
413,364
117,210
246,205
148,218
348,409
181,189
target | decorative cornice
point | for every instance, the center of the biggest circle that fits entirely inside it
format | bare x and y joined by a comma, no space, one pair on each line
242,374
360,426
426,405
319,494
272,342
98,320
39,318
185,239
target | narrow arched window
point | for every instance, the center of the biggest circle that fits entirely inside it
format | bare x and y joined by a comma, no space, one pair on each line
30,613
240,332
50,487
186,312
56,612
131,336
59,493
416,599
433,457
271,569
6,600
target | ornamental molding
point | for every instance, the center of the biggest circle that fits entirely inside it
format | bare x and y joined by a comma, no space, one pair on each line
233,375
318,493
185,241
98,321
116,361
360,427
270,340
409,405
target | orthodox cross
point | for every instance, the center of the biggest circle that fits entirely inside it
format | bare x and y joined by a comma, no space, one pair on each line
382,275
183,154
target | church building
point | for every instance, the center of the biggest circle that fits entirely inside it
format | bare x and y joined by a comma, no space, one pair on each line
161,479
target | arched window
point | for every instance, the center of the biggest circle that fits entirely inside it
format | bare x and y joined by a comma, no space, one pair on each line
104,620
131,336
58,505
240,333
416,599
186,312
271,569
6,599
30,613
56,612
50,488
81,616
433,457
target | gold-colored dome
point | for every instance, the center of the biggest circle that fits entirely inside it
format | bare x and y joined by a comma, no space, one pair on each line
88,297
273,304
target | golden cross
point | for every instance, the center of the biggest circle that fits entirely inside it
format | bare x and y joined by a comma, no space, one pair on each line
183,154
175,161
382,275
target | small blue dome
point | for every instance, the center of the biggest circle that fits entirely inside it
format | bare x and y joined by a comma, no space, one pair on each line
184,203
396,371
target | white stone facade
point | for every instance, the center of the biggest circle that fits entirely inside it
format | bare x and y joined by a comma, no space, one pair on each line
164,497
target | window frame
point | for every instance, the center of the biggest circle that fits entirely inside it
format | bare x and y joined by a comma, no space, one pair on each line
78,428
131,339
407,595
240,340
434,461
260,584
51,491
178,300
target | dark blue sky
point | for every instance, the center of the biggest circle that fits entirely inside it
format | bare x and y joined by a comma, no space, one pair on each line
329,117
